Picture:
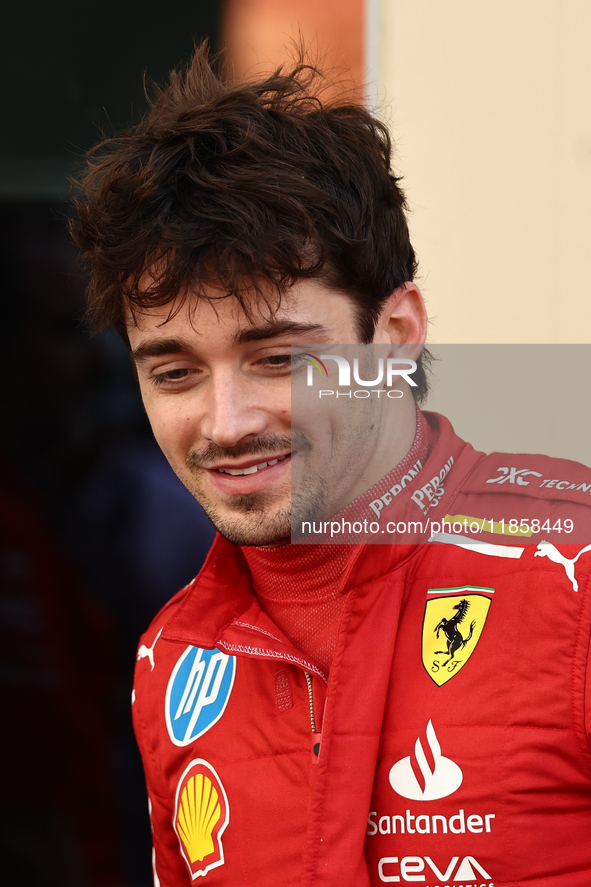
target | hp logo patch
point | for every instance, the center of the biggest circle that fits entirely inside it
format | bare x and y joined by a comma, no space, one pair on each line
197,693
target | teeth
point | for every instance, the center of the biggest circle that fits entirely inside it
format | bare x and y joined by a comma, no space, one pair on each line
252,470
236,471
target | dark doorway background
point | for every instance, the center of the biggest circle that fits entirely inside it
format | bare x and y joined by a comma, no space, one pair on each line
71,70
96,533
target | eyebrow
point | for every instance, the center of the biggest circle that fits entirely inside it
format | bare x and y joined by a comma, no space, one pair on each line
271,330
275,329
158,348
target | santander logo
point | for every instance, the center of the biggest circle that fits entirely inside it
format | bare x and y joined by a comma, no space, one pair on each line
438,782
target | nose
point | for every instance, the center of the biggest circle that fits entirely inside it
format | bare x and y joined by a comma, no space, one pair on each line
236,411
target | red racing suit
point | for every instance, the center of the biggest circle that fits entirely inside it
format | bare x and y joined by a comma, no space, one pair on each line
450,747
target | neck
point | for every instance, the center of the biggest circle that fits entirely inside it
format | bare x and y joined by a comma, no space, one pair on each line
299,586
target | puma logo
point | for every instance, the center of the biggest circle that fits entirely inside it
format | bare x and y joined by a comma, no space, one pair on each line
148,652
546,549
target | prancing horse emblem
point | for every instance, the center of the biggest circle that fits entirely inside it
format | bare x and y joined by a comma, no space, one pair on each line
450,629
448,639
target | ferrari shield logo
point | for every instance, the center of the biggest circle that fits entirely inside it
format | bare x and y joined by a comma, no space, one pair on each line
454,620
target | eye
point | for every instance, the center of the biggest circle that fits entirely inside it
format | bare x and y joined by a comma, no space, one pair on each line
290,361
279,360
170,377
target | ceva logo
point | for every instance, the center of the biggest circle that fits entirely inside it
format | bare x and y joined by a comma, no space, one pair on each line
390,869
394,366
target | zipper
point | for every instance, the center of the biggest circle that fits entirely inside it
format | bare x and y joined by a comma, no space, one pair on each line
311,702
316,737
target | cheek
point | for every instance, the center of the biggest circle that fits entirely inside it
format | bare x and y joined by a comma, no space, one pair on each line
173,429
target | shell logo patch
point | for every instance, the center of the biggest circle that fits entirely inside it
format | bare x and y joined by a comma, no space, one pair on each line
200,818
452,625
197,693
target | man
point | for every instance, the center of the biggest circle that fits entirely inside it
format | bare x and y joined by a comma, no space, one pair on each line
345,713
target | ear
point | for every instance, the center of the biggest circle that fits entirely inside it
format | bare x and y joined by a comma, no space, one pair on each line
403,320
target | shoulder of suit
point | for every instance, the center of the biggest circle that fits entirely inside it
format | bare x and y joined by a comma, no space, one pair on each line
531,476
163,616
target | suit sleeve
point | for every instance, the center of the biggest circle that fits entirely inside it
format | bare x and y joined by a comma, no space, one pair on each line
168,866
586,630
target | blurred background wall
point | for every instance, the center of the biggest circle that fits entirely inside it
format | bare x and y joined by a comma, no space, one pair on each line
490,104
257,35
489,107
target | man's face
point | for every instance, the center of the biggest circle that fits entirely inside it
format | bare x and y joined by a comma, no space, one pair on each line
217,390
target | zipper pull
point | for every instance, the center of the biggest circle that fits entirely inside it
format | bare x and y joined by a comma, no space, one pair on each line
316,745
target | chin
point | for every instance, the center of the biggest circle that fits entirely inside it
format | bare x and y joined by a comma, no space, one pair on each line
254,519
252,524
240,533
259,540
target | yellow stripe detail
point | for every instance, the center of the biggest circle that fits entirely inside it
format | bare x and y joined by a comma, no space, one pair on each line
485,524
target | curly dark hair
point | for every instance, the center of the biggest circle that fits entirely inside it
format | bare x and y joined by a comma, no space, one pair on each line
241,185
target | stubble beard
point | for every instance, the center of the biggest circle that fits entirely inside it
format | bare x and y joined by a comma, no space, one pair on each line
252,519
264,517
259,518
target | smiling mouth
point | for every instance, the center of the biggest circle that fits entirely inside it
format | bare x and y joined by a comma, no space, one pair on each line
252,469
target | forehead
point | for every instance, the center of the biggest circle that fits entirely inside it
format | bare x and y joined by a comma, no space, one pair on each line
306,308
